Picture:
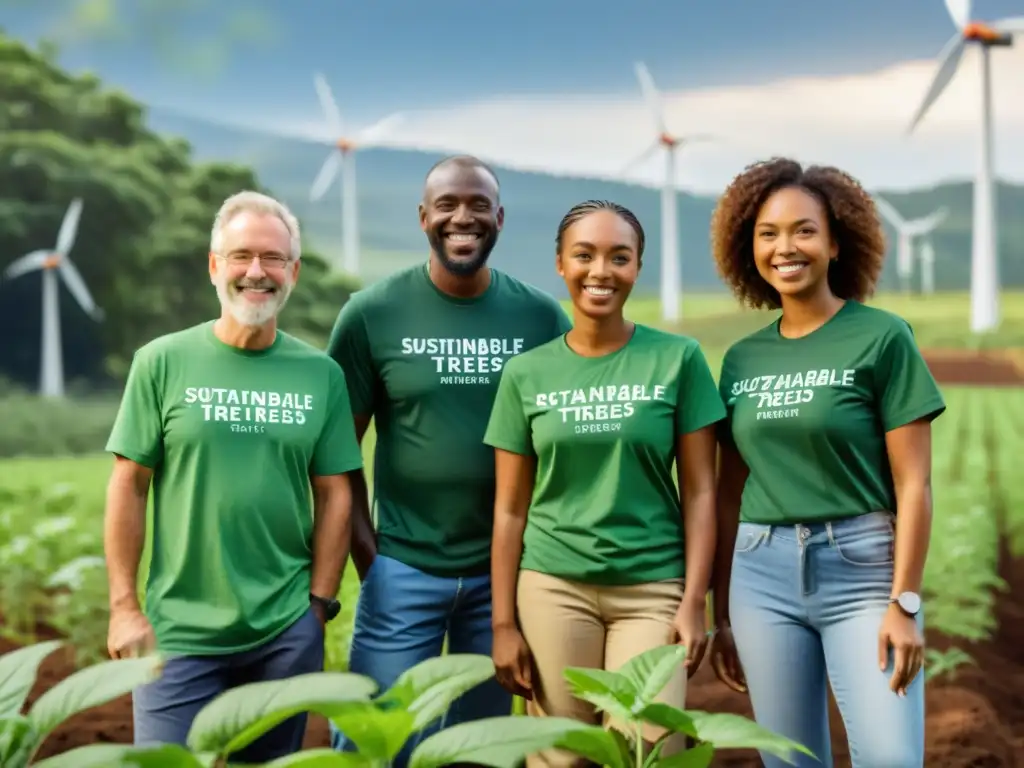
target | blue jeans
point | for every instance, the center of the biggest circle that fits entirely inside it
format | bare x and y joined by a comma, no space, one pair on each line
164,709
807,603
401,620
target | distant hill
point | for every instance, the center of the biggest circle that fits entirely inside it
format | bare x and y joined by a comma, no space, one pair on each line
390,183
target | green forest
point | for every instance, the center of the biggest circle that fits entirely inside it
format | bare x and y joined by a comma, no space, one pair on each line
144,233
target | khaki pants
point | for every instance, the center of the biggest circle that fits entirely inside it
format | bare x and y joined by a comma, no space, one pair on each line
569,624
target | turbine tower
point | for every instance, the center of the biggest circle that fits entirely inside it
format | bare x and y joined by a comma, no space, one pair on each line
671,268
343,158
927,257
906,231
984,255
54,263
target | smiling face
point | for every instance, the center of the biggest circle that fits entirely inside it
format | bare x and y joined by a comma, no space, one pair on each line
461,216
793,245
599,262
252,290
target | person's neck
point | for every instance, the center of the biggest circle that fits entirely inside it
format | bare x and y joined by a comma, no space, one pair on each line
459,286
801,316
234,334
596,336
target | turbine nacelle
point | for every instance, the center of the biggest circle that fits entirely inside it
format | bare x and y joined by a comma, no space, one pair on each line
980,32
345,145
668,141
52,261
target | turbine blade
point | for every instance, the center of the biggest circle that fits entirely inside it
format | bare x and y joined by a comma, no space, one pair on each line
69,227
888,212
949,60
76,285
959,12
375,132
1011,26
650,93
929,222
27,263
640,158
327,173
329,105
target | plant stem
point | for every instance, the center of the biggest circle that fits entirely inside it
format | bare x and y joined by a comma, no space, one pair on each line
639,749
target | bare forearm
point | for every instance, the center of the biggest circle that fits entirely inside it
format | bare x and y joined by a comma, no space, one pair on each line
124,535
727,523
363,535
506,551
699,524
332,536
913,532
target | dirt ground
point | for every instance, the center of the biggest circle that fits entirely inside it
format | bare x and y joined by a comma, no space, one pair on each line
975,722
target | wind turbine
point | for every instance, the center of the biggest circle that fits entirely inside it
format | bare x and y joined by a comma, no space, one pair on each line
906,231
54,263
671,270
984,258
343,158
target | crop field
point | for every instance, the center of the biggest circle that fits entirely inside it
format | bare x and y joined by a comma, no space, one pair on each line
52,580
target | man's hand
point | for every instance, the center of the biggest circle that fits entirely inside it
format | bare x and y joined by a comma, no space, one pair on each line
320,612
130,634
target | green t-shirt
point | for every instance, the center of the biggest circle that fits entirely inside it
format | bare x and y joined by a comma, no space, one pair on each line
604,430
809,415
426,366
232,436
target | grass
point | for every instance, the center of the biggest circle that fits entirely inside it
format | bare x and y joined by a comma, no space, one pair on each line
976,445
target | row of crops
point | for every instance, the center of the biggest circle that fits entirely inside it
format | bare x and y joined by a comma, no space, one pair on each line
978,509
51,565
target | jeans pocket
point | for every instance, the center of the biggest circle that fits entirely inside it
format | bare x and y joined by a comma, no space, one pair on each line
867,548
749,538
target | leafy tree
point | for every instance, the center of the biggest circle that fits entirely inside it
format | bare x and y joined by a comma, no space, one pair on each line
144,232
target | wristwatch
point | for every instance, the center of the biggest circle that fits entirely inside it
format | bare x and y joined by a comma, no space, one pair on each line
908,602
331,606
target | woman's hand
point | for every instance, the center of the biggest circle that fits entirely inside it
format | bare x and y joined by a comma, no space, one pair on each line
512,661
690,627
900,632
726,661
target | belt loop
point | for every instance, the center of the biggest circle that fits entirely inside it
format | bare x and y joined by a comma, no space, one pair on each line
831,535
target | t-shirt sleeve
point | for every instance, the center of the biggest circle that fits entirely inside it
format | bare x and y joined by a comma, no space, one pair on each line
138,431
349,346
725,382
508,427
699,403
904,386
337,449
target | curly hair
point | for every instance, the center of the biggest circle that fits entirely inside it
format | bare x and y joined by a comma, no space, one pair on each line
852,219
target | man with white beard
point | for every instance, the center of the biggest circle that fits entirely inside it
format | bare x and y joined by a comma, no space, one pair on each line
232,422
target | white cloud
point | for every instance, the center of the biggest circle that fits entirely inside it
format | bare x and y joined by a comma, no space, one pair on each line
857,122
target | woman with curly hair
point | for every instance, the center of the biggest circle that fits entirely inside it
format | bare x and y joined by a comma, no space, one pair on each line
824,496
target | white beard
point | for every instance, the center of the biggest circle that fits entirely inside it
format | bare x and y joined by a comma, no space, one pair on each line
247,313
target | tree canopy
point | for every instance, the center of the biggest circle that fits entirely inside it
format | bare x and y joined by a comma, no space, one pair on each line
144,233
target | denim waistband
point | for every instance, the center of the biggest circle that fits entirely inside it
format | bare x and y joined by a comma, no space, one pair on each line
880,520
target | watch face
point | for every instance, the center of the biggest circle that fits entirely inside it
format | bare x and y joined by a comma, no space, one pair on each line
910,602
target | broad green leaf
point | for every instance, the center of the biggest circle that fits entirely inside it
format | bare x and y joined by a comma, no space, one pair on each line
698,757
429,688
503,742
241,715
667,716
378,733
17,741
321,758
727,731
649,672
18,675
608,691
90,687
123,756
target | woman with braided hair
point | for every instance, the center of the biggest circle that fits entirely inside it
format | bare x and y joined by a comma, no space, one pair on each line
824,498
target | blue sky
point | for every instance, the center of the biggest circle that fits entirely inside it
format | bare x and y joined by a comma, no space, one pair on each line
549,84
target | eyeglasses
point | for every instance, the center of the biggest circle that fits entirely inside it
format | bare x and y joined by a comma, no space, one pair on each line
269,260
